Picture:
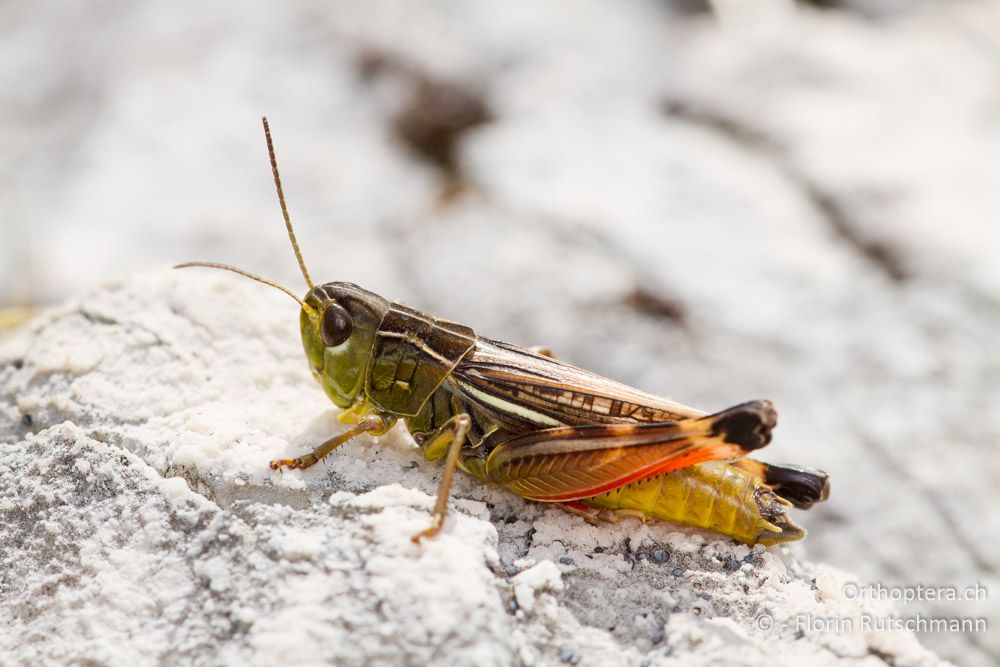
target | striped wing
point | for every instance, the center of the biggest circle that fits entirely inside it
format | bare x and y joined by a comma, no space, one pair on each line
540,400
543,392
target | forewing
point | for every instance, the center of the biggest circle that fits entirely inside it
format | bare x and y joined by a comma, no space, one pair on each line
546,392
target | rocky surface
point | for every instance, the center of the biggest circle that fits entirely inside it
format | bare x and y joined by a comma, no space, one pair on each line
140,524
757,203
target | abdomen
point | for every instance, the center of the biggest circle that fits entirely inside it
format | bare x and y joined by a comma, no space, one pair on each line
714,496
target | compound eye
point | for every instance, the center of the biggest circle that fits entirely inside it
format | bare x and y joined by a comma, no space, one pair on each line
337,325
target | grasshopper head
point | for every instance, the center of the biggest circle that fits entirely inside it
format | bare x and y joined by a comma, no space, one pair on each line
338,320
338,329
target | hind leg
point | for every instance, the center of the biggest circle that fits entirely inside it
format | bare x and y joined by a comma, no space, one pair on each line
799,485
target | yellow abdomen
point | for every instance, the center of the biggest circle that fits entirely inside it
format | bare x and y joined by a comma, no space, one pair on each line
713,496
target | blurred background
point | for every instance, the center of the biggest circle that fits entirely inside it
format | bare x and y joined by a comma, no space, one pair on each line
715,201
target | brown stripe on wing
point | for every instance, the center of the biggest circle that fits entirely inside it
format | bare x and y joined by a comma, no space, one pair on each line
560,390
570,463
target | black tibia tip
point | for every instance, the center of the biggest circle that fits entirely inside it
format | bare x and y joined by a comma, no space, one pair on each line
798,485
747,425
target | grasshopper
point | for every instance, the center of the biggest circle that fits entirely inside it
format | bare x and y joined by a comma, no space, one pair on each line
520,419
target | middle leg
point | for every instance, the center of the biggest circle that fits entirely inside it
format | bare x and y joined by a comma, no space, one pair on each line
451,435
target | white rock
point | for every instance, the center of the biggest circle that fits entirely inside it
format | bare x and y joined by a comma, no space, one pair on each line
124,545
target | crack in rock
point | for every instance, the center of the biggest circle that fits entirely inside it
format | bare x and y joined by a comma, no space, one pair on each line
832,210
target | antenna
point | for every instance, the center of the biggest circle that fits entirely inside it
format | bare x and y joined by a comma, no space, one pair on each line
284,209
214,265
